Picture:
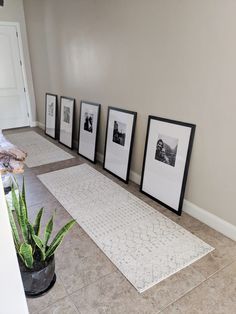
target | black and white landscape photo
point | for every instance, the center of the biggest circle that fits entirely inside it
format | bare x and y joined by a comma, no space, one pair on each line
66,114
119,133
88,122
51,109
166,149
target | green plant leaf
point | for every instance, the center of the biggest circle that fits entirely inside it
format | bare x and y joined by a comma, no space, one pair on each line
31,233
48,231
40,245
31,229
58,238
14,228
37,222
26,254
23,207
23,221
23,195
15,201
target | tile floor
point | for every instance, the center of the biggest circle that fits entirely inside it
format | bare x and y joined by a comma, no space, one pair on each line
88,283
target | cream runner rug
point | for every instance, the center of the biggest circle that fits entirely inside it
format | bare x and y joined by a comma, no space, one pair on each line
40,151
145,246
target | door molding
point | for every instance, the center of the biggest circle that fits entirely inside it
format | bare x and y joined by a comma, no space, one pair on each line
25,79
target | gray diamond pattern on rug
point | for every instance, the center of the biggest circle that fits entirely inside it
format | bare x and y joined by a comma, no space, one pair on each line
39,150
146,246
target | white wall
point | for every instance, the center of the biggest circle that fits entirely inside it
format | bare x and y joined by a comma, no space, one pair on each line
12,292
173,59
13,11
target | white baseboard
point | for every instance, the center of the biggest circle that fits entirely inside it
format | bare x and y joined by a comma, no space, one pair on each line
195,211
75,144
40,125
210,219
99,157
135,177
33,124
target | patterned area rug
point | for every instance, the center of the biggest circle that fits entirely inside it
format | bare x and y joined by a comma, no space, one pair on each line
40,151
146,246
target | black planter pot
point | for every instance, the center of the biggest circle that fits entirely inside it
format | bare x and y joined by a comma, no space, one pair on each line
39,280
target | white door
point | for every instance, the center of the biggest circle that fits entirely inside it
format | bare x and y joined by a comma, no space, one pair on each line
13,106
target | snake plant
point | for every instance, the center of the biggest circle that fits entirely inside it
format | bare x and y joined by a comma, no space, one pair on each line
30,247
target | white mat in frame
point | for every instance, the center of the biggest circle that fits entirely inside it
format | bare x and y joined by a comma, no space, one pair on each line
146,246
40,151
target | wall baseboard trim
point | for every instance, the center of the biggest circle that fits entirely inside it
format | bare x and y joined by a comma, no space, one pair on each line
40,125
33,124
100,157
195,211
210,219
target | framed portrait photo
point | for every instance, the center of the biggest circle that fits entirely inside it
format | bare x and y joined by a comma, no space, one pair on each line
51,115
166,161
119,142
67,121
88,130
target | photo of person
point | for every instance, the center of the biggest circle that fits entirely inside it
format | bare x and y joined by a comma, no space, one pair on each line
88,122
166,149
51,109
66,114
119,133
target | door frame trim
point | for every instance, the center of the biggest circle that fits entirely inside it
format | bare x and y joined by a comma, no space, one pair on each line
25,79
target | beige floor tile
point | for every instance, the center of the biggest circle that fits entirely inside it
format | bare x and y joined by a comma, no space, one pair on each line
75,247
174,287
56,293
112,294
77,273
215,295
223,255
63,306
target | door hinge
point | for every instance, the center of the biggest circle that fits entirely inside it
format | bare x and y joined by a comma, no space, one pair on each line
17,34
20,62
28,114
24,89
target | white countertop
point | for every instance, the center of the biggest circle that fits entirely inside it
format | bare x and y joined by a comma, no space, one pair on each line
12,297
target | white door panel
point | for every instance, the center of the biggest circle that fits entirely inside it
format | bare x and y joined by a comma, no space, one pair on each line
13,106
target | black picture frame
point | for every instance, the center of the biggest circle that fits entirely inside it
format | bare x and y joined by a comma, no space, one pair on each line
130,137
55,115
190,128
93,147
72,120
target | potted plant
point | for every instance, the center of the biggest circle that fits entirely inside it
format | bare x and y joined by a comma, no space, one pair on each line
35,254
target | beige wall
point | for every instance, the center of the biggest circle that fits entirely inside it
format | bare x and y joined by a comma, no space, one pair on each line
174,59
13,11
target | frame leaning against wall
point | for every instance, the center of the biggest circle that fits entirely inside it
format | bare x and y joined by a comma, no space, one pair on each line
88,137
55,115
70,128
166,161
118,149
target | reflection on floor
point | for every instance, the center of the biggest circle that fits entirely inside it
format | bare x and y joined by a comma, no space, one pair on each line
89,283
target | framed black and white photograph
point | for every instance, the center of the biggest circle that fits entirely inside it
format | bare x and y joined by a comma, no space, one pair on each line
51,115
88,130
67,121
119,142
166,161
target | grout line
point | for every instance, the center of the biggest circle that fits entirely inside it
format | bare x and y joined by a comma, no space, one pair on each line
87,285
194,288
